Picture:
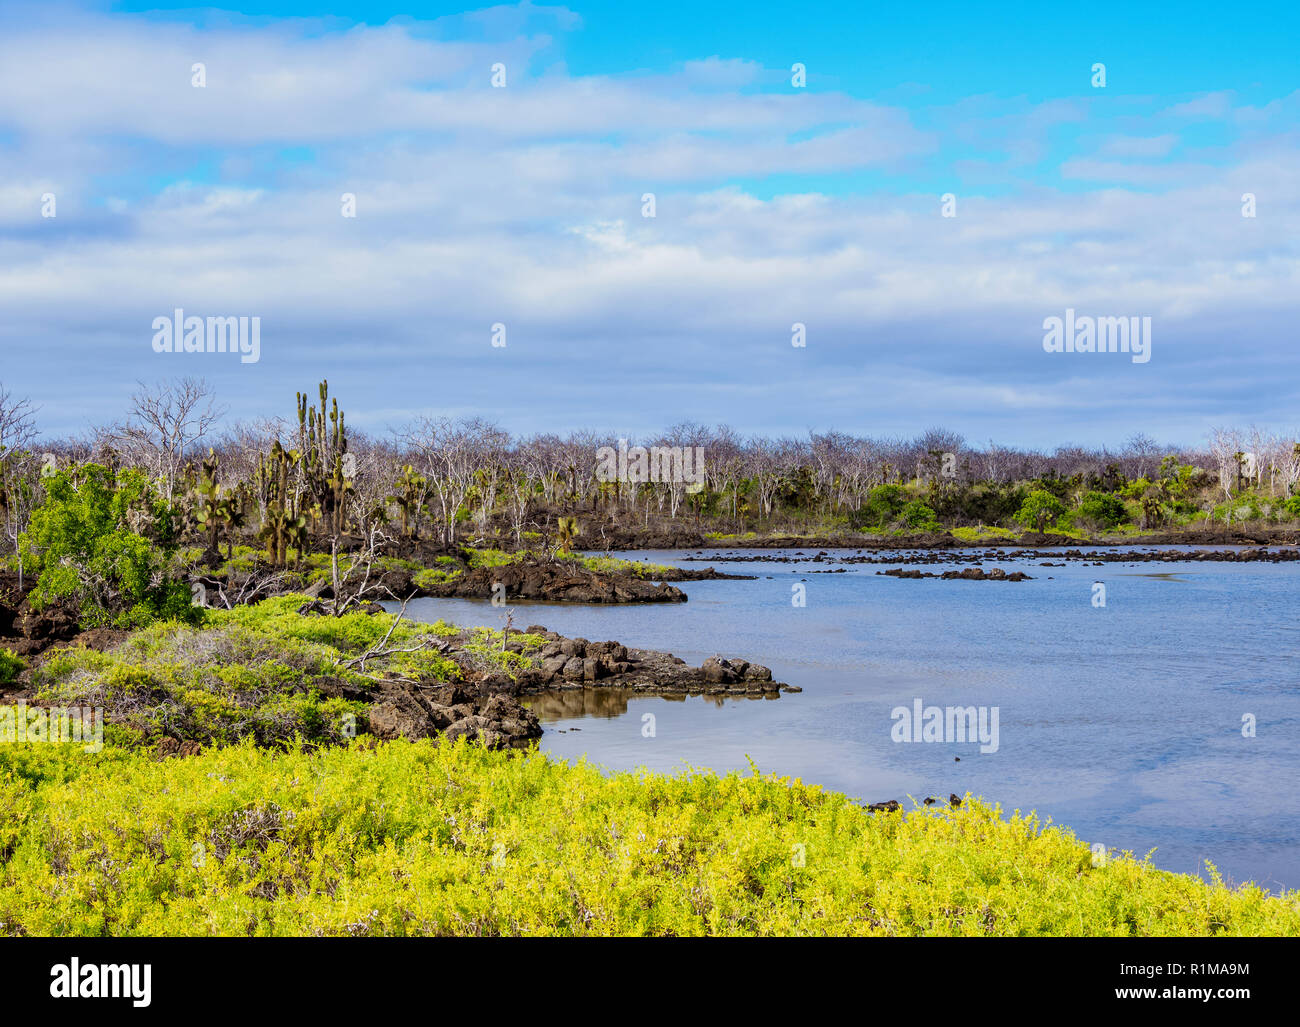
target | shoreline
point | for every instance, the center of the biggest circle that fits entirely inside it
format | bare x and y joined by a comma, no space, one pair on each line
978,554
947,540
439,718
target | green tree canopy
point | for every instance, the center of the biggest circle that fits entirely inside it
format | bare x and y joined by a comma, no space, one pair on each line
96,541
1039,509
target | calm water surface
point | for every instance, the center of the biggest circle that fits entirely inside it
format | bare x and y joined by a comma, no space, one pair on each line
1122,722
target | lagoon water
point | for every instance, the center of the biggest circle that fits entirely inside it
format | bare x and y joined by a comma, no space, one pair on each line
1123,722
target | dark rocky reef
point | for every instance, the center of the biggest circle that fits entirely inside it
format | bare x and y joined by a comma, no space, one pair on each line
554,582
967,574
451,711
574,663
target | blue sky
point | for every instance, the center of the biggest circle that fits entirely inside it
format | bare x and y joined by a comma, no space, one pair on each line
775,205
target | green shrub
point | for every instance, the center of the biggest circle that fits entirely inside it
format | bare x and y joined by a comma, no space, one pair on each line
983,535
614,565
101,541
214,685
10,667
1102,509
1248,506
981,503
1039,510
918,516
881,508
493,557
452,839
427,578
261,671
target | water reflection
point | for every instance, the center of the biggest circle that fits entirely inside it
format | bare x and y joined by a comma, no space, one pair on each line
607,703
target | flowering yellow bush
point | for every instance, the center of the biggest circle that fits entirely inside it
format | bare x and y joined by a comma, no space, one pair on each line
423,838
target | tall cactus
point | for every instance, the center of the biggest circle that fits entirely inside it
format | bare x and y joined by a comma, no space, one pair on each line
410,486
232,510
283,520
566,531
323,447
207,506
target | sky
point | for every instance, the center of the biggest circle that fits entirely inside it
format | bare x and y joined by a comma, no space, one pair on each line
133,184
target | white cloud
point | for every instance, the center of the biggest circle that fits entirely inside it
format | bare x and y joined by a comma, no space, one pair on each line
522,205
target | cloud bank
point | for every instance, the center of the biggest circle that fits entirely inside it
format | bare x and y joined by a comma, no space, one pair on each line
524,206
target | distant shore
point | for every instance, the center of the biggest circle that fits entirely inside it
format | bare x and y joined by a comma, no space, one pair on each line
960,538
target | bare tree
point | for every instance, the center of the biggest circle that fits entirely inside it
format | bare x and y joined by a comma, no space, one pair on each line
1225,445
521,486
1289,463
17,421
18,473
167,422
493,445
1143,454
449,453
724,467
763,467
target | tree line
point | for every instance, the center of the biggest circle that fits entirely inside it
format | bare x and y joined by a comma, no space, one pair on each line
297,481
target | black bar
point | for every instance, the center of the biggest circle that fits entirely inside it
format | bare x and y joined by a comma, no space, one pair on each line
338,976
